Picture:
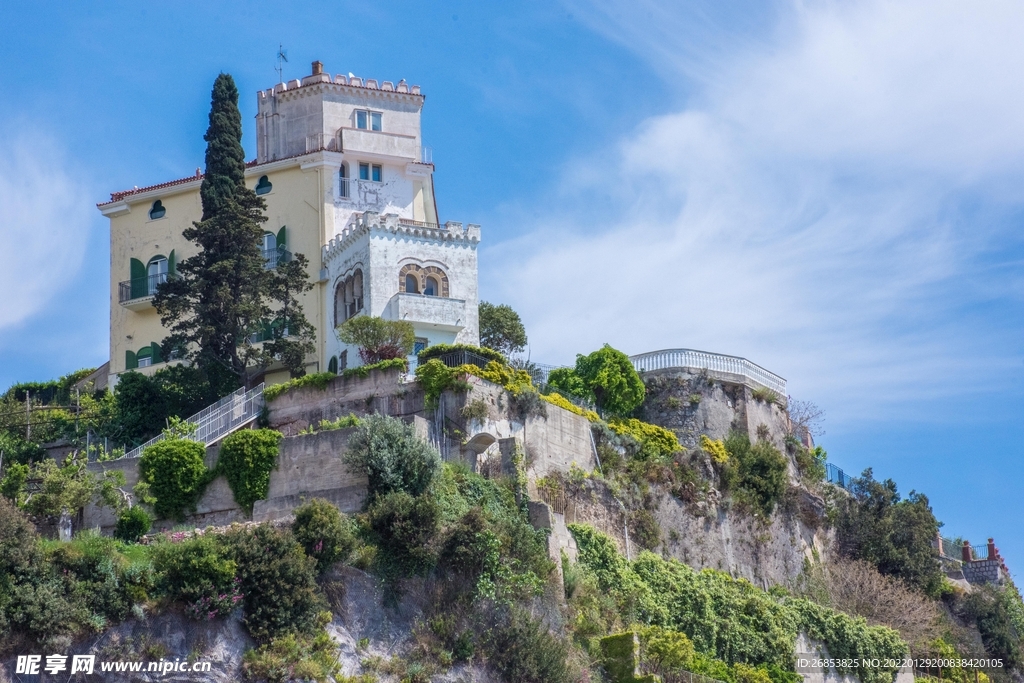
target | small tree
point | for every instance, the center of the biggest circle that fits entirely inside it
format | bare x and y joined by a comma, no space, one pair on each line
378,339
69,487
607,376
392,457
501,328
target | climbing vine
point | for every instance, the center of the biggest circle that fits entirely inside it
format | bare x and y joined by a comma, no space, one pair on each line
246,459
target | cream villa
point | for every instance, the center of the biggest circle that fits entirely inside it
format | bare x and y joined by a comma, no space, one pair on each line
341,165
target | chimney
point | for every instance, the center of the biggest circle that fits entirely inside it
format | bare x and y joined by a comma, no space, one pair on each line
318,67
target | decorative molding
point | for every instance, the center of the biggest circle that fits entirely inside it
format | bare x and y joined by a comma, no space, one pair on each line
371,222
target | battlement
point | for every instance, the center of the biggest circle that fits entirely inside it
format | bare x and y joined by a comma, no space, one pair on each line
371,221
319,107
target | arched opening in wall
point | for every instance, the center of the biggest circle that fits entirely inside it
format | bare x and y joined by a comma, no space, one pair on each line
343,180
156,273
157,210
481,449
432,288
411,286
332,365
348,297
264,186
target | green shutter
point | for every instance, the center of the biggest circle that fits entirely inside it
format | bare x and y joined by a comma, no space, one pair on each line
156,353
138,279
172,265
130,363
282,235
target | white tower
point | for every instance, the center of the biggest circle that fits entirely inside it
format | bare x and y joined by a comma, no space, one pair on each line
384,252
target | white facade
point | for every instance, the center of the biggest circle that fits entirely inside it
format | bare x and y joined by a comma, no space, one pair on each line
400,269
385,253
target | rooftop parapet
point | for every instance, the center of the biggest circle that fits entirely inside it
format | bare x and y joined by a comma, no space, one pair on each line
371,221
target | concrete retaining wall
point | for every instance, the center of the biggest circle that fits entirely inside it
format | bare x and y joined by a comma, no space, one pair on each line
308,466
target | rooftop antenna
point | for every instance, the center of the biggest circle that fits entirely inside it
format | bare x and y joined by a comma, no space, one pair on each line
282,57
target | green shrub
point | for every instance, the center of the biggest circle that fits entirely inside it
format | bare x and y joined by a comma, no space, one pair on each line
655,442
434,377
277,580
246,460
316,379
12,486
644,529
811,463
521,649
619,657
568,382
663,651
363,371
610,377
387,449
438,350
199,573
477,409
404,528
501,328
325,534
176,474
988,610
765,395
761,474
132,524
294,657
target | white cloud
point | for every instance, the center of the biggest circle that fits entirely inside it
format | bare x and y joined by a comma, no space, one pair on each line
45,216
834,202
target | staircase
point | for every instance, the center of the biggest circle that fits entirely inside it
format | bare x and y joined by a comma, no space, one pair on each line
213,423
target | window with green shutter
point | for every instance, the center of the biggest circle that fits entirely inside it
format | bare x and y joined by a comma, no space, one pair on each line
139,286
156,352
282,237
130,362
144,357
332,366
172,264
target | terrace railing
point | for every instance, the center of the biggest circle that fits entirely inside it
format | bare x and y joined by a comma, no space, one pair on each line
715,362
216,421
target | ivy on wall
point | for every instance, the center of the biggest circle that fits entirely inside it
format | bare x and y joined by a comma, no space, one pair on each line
246,460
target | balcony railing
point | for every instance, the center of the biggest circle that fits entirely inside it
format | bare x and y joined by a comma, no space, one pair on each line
704,360
140,287
276,256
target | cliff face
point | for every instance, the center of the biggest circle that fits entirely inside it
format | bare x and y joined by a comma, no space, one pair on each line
709,532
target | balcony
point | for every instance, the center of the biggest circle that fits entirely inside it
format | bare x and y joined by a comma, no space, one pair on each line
378,143
428,311
137,294
272,257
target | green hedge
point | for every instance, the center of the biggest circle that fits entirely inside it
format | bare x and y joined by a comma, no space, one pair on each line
246,460
176,474
438,350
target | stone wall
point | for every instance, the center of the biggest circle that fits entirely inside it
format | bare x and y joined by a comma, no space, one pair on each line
308,466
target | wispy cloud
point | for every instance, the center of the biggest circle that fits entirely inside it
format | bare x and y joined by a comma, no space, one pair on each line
45,215
836,201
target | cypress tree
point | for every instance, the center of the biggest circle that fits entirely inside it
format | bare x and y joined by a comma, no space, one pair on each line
224,301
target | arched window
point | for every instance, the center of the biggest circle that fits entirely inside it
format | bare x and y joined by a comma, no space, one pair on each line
269,242
332,365
144,357
157,210
264,185
343,187
431,288
411,286
348,297
156,273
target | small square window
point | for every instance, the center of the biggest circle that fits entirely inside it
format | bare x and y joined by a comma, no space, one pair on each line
364,171
375,120
145,361
361,117
378,173
419,345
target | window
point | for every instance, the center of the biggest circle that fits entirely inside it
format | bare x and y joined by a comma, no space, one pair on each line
156,273
343,361
269,242
431,288
374,172
411,286
144,358
157,210
364,171
264,185
343,189
419,345
368,120
332,365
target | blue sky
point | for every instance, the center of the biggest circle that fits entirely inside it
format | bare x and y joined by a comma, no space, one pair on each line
833,190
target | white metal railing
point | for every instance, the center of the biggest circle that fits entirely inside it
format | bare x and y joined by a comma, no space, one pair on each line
717,362
216,421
